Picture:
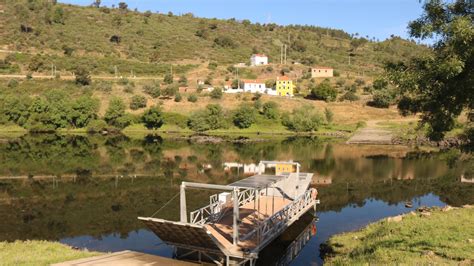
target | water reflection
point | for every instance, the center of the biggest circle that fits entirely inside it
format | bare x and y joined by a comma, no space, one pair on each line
88,191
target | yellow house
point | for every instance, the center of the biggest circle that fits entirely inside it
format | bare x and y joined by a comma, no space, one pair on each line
283,167
284,86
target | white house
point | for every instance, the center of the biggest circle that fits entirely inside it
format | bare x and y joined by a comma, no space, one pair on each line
258,60
254,86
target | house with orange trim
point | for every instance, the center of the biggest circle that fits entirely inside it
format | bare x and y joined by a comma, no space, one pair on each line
254,85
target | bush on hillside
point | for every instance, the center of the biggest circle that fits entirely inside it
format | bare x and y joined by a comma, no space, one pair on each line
153,90
244,117
303,119
216,93
270,110
349,96
178,97
324,91
137,102
192,98
83,76
168,78
381,99
115,111
96,126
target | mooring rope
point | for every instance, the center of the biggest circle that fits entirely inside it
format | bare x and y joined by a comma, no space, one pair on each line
169,201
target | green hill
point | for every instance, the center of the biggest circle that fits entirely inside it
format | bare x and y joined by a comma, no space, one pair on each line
149,43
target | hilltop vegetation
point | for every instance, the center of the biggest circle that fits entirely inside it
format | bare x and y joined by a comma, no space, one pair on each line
146,43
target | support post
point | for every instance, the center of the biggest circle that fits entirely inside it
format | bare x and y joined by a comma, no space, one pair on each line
182,198
236,217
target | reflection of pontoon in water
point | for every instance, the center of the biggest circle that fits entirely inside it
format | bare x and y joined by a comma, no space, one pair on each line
238,223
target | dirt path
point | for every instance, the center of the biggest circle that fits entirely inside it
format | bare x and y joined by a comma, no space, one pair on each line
373,133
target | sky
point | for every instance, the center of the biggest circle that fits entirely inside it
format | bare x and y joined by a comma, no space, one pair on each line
375,18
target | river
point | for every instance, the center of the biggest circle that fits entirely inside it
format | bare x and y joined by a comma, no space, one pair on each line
87,191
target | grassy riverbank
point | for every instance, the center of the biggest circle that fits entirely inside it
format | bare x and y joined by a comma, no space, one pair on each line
39,253
440,237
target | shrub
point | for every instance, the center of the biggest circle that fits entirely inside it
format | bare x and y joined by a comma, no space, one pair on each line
349,96
137,102
169,91
115,111
351,88
244,117
153,118
270,110
359,82
12,83
212,65
192,98
208,119
128,89
168,78
178,97
83,76
225,42
103,86
183,81
381,99
324,91
303,119
329,114
336,73
152,90
380,84
123,81
340,82
175,119
96,126
216,93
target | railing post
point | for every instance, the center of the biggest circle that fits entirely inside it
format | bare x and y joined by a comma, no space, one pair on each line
182,201
236,217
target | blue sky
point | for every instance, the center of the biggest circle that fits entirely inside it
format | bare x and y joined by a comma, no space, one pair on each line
376,18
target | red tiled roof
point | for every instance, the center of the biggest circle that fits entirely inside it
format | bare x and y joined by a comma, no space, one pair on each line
283,78
261,55
257,81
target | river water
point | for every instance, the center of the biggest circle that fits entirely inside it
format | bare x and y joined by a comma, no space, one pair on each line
88,191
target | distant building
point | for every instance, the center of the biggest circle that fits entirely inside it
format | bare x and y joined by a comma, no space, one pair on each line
321,180
284,86
322,72
229,89
258,60
254,86
186,89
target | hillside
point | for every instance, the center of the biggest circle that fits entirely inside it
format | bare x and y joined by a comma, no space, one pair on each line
148,43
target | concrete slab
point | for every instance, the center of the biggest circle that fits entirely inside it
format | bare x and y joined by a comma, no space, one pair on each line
127,257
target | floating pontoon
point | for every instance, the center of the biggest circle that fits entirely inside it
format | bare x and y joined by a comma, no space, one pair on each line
243,219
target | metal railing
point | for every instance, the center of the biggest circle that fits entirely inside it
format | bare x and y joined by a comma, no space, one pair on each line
277,222
206,214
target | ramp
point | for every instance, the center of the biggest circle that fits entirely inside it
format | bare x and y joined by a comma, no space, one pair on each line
182,234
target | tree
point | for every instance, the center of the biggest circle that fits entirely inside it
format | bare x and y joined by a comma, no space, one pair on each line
83,110
440,84
270,110
115,111
169,91
137,102
303,119
216,93
210,118
96,3
244,117
58,15
83,76
123,6
324,91
153,118
382,99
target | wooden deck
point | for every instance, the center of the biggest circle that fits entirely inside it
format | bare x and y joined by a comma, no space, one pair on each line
249,217
127,257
